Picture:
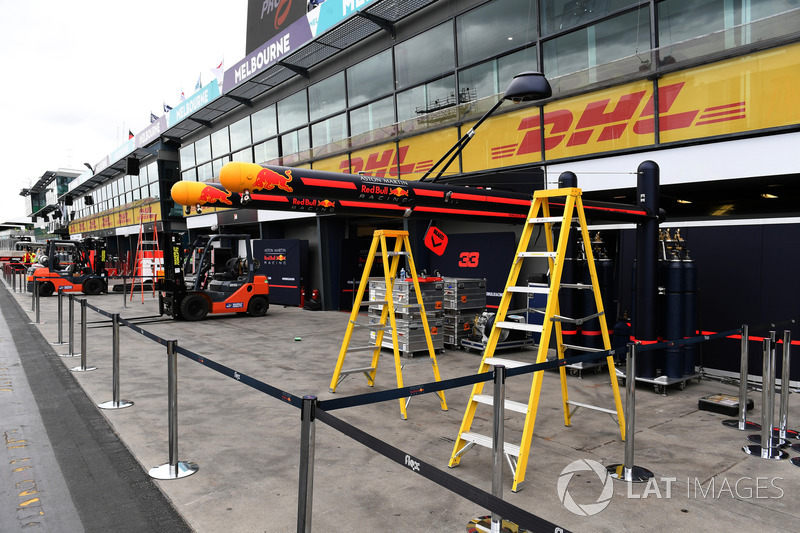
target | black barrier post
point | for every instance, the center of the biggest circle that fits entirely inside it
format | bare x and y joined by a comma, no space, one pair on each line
498,440
60,318
38,300
115,403
742,424
174,469
124,292
71,327
305,489
34,293
628,471
769,447
83,367
783,433
14,281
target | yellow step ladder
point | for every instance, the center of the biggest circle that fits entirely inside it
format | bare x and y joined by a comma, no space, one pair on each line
517,455
391,261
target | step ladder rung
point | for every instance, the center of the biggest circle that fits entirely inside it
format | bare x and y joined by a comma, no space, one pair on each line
377,326
374,302
521,326
393,254
545,220
370,348
592,407
530,290
485,441
149,242
583,348
511,405
508,363
538,254
580,286
357,370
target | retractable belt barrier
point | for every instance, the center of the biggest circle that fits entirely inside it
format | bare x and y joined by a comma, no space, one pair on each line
320,411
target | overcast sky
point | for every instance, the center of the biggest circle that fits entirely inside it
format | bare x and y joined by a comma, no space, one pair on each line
80,74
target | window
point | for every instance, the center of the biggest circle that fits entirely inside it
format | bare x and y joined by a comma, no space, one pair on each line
266,151
326,97
427,98
425,56
600,44
245,155
328,131
560,15
220,143
240,134
187,156
495,28
264,123
218,164
294,142
202,150
189,175
292,112
205,173
152,172
372,116
513,64
372,78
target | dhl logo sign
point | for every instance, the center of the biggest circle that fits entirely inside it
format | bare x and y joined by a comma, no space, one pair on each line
619,118
384,163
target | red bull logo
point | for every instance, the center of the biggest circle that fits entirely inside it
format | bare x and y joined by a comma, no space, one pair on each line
210,195
312,205
268,179
383,192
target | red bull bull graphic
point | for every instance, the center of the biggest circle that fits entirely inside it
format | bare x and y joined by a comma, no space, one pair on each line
266,179
211,195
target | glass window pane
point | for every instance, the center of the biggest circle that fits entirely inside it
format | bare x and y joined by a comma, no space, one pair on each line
294,142
220,143
328,131
560,15
187,156
326,97
264,123
427,98
408,102
478,82
495,28
245,155
293,112
202,150
373,116
189,175
240,134
599,44
217,166
152,172
425,56
266,151
372,78
512,64
136,194
205,172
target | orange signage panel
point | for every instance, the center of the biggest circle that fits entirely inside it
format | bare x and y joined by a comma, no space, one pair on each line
416,155
502,141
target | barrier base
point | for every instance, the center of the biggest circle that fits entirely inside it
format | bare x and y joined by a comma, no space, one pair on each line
795,461
69,355
748,426
764,453
111,404
795,447
774,442
168,471
484,524
83,369
637,474
58,343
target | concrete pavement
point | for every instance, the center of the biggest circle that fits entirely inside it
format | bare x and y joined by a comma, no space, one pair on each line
247,443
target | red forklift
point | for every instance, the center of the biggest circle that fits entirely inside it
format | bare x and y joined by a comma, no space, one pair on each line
217,274
74,266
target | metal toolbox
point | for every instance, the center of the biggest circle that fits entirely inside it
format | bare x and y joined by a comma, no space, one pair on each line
464,293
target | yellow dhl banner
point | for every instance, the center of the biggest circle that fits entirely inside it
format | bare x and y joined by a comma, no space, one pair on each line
749,93
126,217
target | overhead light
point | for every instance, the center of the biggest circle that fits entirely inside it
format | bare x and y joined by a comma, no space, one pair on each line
722,210
768,196
684,201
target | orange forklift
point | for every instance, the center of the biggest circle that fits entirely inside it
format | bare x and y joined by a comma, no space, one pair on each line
74,266
216,275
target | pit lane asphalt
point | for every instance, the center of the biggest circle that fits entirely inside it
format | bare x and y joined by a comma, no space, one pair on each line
91,467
